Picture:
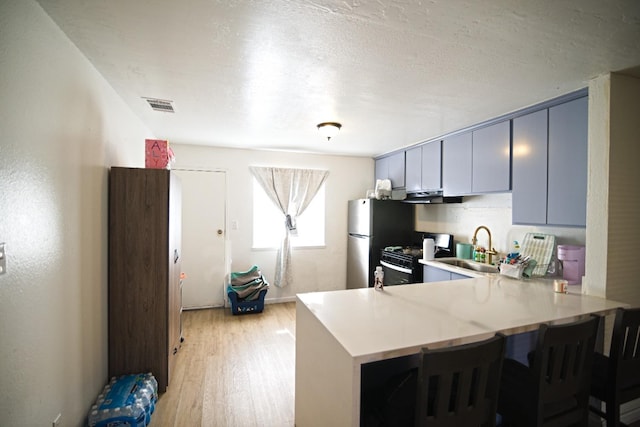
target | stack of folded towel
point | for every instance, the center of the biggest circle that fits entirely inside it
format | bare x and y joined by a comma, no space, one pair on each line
247,284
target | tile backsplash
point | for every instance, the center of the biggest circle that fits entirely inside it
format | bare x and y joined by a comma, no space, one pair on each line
493,211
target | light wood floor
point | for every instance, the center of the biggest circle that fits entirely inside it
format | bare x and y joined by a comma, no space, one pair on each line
233,370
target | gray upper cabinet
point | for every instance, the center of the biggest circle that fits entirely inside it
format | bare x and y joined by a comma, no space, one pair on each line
567,198
424,167
477,162
550,166
432,166
529,194
456,164
413,169
540,156
391,167
396,170
382,168
491,158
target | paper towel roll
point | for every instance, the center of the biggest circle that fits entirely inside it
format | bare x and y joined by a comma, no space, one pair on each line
428,249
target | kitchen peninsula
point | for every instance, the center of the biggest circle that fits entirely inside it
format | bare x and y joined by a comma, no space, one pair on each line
340,331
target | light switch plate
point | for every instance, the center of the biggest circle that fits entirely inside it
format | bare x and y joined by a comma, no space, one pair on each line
3,259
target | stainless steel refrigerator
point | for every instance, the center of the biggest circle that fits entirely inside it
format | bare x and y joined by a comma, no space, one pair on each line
374,224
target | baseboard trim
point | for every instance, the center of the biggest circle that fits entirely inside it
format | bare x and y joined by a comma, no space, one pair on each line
279,300
227,304
201,308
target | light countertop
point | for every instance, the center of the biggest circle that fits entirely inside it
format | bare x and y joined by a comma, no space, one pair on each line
373,325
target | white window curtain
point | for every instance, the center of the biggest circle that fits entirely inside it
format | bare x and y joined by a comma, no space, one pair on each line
291,190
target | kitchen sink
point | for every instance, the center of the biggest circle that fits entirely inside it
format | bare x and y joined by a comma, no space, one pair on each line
470,265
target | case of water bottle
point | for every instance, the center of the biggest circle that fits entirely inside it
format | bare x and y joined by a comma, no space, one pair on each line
127,401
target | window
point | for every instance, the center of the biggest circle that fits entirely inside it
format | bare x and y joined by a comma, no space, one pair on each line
268,221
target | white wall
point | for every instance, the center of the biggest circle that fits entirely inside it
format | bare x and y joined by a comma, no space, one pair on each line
598,186
493,211
318,269
614,199
624,194
61,126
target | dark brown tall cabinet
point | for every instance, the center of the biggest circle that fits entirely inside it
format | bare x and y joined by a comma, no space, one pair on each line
144,272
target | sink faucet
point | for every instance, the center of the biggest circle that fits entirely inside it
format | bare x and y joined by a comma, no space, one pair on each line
490,250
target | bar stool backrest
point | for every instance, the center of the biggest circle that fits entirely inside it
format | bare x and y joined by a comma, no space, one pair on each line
561,370
458,386
624,356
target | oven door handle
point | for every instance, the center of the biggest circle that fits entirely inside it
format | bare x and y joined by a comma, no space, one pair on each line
396,268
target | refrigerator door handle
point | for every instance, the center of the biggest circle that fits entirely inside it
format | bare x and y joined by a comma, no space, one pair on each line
359,236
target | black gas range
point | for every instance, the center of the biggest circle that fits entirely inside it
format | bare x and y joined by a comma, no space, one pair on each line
401,264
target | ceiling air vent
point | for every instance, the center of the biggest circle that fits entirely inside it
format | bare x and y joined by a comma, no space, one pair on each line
163,105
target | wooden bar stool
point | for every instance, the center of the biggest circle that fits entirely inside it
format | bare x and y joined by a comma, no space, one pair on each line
458,386
616,378
554,390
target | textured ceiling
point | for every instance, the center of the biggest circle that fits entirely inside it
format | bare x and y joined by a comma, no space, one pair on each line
262,74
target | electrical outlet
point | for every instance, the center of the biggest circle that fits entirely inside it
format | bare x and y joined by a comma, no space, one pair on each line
56,421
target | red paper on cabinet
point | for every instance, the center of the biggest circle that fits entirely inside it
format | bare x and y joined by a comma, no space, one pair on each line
157,154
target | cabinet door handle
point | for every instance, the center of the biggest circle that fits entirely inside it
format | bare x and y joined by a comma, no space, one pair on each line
219,232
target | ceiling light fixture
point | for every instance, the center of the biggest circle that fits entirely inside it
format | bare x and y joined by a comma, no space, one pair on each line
329,129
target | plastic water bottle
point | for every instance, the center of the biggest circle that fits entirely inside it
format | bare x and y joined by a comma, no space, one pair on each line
378,275
127,416
127,401
143,397
149,382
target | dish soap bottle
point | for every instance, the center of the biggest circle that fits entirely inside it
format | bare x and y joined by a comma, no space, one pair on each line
378,282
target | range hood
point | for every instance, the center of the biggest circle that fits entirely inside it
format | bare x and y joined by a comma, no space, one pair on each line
430,197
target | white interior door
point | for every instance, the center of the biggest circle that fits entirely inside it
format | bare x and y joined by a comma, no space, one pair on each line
203,237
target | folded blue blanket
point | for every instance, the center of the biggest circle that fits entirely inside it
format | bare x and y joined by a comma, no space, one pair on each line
243,277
